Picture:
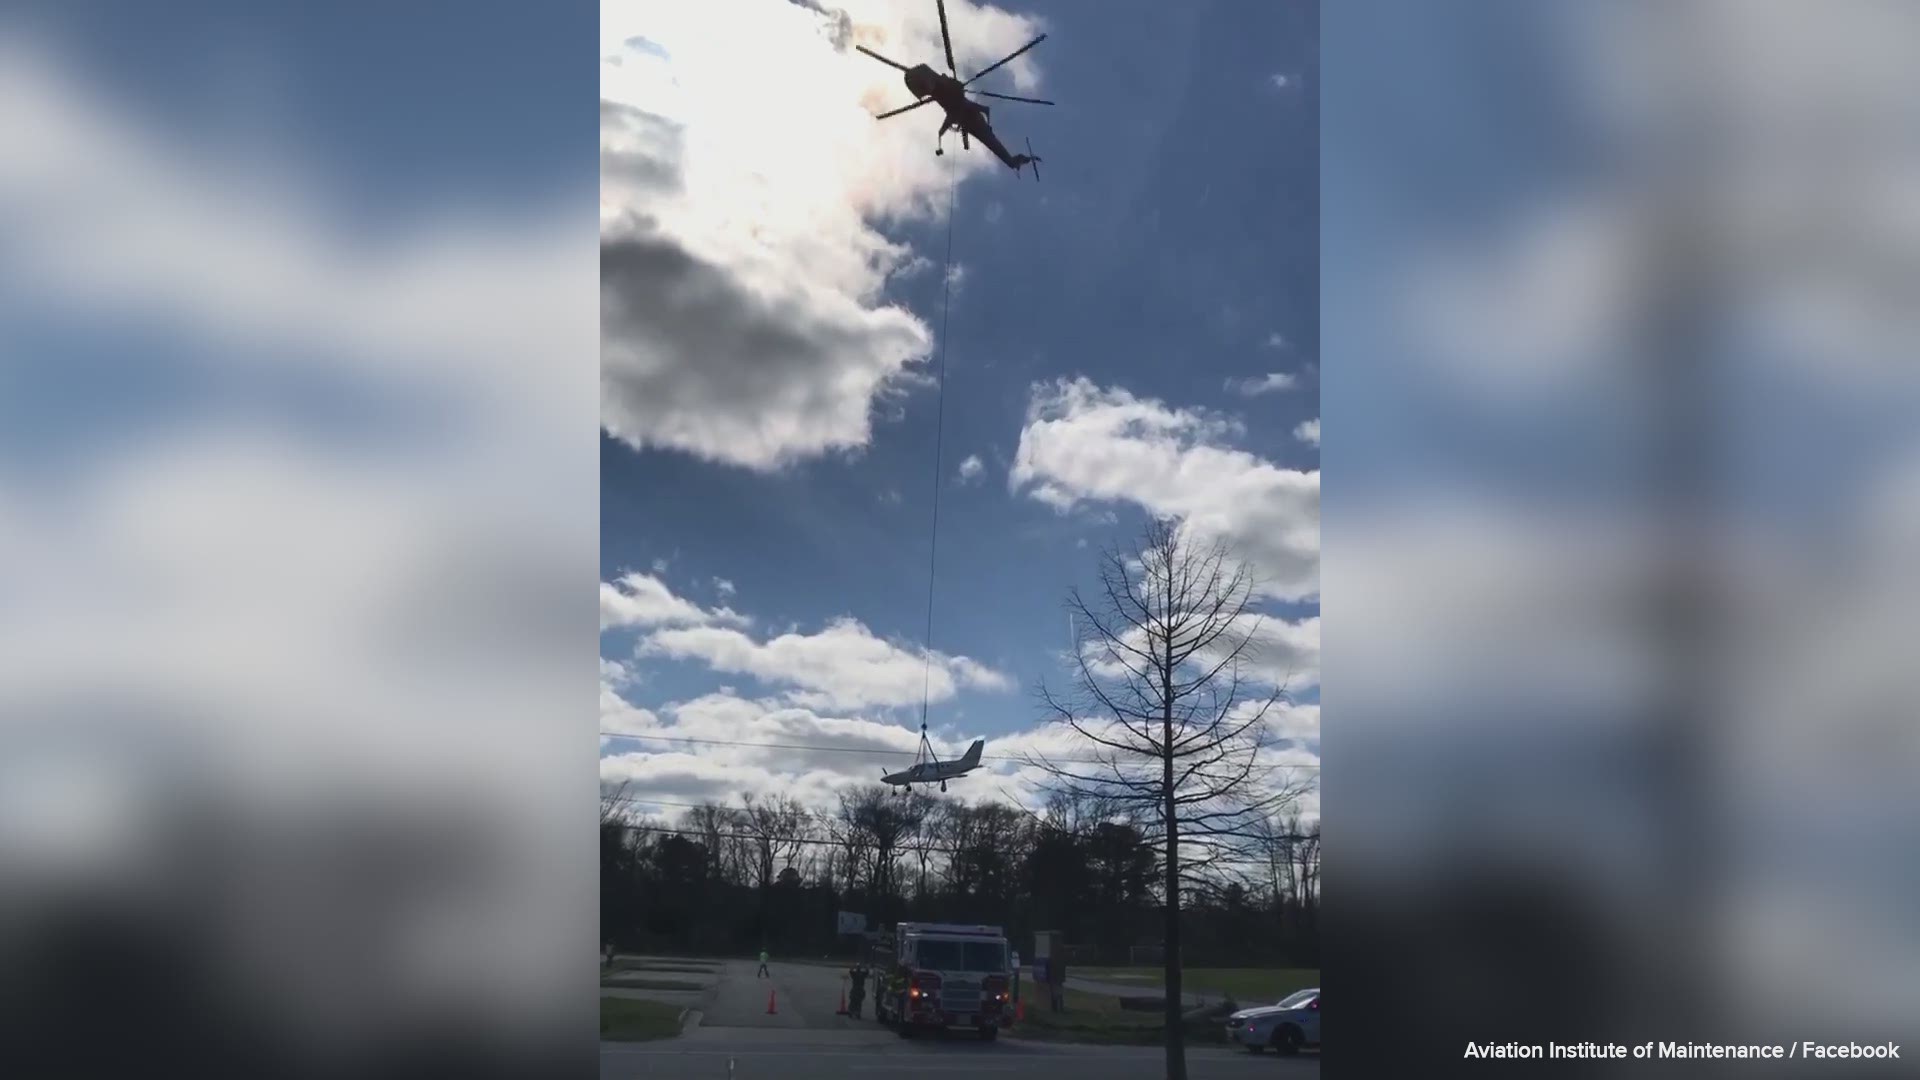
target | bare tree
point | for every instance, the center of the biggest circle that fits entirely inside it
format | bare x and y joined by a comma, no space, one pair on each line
613,805
852,844
1174,725
713,824
776,830
1306,857
877,823
1276,855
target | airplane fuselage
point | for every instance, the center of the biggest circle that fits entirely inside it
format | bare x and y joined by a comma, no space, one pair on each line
917,775
936,771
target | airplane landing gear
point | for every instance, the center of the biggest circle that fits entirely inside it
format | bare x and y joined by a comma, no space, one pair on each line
943,785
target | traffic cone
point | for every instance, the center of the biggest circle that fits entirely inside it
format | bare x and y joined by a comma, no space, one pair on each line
1019,1012
770,1009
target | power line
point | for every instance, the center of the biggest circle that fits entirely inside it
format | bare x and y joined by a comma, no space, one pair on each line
817,748
767,745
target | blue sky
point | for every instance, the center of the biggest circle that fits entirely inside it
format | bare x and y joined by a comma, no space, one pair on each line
1136,333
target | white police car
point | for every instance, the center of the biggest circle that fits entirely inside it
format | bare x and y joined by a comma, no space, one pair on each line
1287,1025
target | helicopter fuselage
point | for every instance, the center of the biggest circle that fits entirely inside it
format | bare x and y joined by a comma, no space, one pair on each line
963,114
945,90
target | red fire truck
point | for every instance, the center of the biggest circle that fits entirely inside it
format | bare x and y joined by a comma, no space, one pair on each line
944,975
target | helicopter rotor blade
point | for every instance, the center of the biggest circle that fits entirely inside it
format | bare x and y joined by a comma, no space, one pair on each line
882,59
1004,59
947,39
1010,97
903,108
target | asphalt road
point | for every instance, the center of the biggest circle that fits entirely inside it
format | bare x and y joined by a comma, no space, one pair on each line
734,1036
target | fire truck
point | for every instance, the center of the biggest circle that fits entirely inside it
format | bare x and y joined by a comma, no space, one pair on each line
943,975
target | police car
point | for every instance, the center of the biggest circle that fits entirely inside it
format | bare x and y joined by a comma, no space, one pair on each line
1286,1025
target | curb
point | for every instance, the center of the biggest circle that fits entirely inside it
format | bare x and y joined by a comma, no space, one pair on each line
689,1019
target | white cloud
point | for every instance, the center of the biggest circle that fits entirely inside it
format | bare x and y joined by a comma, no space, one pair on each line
1308,432
614,673
1280,80
764,747
1274,654
1276,340
1085,443
971,469
659,566
842,666
722,770
1277,653
1255,385
620,716
1288,720
742,263
723,586
646,601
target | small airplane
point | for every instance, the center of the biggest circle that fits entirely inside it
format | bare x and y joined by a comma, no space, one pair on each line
929,771
970,118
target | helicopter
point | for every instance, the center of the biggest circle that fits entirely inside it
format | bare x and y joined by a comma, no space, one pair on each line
970,118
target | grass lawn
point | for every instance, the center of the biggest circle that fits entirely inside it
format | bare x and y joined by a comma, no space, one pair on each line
641,981
631,1020
628,963
1246,986
1098,1018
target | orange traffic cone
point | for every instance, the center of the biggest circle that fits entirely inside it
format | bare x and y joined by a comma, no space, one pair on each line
770,1009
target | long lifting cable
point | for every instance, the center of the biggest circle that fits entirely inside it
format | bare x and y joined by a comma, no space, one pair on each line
939,434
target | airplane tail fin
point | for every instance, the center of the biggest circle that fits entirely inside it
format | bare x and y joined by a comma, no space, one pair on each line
972,756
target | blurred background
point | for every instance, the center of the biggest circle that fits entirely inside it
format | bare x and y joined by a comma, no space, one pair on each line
1622,525
298,505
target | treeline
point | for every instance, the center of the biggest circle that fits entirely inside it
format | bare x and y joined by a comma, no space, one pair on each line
772,874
